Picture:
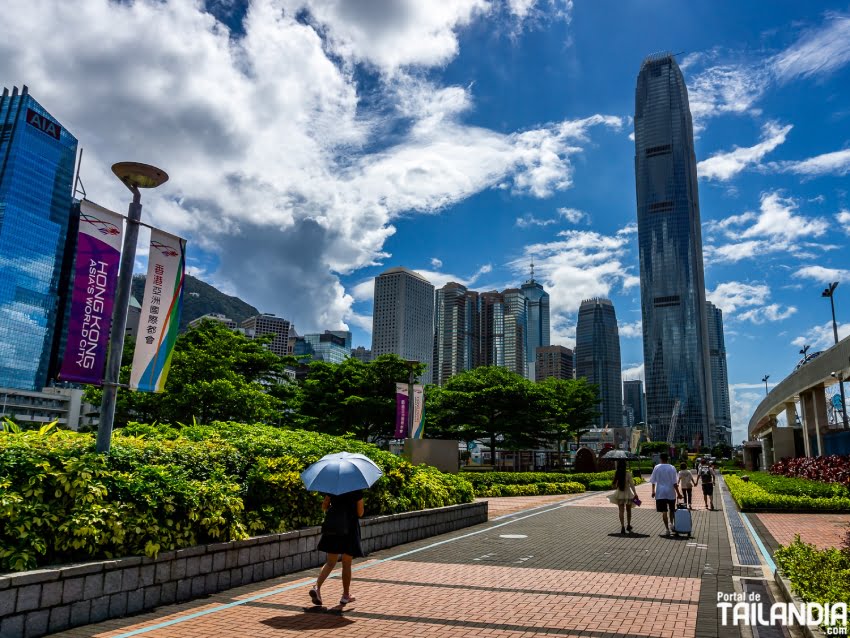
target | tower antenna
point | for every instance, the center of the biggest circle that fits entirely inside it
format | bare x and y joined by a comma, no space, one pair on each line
532,268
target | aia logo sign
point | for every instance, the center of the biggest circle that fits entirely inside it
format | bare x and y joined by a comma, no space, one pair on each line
43,124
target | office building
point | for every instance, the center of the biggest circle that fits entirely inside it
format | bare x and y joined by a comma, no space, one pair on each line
403,318
515,330
598,357
37,408
36,173
224,320
633,399
329,347
672,285
265,324
553,361
361,353
456,331
345,335
719,376
537,333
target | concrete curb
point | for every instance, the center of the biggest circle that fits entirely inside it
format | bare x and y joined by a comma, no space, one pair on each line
785,587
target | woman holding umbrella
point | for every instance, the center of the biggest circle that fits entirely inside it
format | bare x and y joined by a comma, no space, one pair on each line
342,478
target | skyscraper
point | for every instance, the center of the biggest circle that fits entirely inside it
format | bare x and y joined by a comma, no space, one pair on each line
719,377
537,334
633,398
266,324
36,173
329,346
515,329
403,317
598,357
456,331
553,361
672,285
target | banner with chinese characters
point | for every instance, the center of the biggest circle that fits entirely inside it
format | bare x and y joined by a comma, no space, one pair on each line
95,278
160,318
401,408
418,425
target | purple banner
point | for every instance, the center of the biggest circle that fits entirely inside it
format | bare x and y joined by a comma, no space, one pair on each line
402,405
95,276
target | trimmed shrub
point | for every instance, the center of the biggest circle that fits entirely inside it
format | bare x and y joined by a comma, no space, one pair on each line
816,575
750,495
528,489
827,469
162,488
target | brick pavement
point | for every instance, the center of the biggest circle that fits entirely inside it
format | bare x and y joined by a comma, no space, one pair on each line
562,569
822,530
504,505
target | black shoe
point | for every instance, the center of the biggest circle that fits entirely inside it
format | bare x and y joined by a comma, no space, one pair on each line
622,530
629,529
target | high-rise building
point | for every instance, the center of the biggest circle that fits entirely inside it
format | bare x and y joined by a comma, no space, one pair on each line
456,331
224,320
265,324
633,398
672,285
515,329
345,335
36,173
719,376
361,353
403,317
537,334
553,361
598,357
329,347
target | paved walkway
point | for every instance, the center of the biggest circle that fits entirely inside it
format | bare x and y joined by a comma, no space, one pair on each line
822,530
503,505
560,568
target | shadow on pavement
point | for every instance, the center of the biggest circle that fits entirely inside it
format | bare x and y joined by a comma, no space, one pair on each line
628,535
311,618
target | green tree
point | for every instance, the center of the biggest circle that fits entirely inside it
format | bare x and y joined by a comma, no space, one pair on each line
648,448
490,403
353,397
570,406
216,374
722,450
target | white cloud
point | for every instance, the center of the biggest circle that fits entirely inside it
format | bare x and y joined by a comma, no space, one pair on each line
843,218
743,399
436,263
724,166
820,51
725,89
633,330
732,295
577,265
772,312
633,372
574,215
822,274
822,337
289,180
529,220
835,163
776,228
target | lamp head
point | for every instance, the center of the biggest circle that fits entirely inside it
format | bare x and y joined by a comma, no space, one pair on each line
137,175
827,292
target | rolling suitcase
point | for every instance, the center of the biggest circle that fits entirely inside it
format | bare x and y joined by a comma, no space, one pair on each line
682,520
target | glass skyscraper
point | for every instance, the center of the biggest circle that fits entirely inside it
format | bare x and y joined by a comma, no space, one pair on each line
672,285
36,170
598,357
719,376
633,398
457,336
537,334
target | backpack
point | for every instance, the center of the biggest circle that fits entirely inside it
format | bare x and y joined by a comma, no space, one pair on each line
336,522
705,474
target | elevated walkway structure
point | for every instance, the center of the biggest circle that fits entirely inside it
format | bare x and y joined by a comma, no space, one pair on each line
814,436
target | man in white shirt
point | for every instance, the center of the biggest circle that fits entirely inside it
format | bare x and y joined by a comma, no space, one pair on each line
665,490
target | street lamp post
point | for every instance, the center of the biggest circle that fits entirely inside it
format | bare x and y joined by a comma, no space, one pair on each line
829,291
804,350
134,176
411,366
764,380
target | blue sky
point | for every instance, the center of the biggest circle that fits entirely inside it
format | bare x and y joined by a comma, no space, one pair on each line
312,144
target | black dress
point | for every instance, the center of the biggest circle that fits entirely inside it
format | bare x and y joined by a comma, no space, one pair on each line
344,543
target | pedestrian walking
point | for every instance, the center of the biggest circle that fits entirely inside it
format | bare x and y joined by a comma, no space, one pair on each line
686,483
624,497
706,476
341,540
341,478
665,490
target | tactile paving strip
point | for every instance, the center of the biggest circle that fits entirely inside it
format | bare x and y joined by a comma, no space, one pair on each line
744,548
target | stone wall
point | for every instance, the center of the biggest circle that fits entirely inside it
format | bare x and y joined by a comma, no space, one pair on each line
48,600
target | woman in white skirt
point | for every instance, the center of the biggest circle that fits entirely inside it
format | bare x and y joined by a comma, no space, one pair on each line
624,495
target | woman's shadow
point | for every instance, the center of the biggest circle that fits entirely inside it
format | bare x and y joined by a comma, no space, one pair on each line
311,618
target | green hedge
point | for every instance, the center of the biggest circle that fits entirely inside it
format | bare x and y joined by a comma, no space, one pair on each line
162,488
528,489
599,486
753,495
528,478
794,486
816,575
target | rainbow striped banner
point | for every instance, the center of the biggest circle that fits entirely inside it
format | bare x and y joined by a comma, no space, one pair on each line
161,305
